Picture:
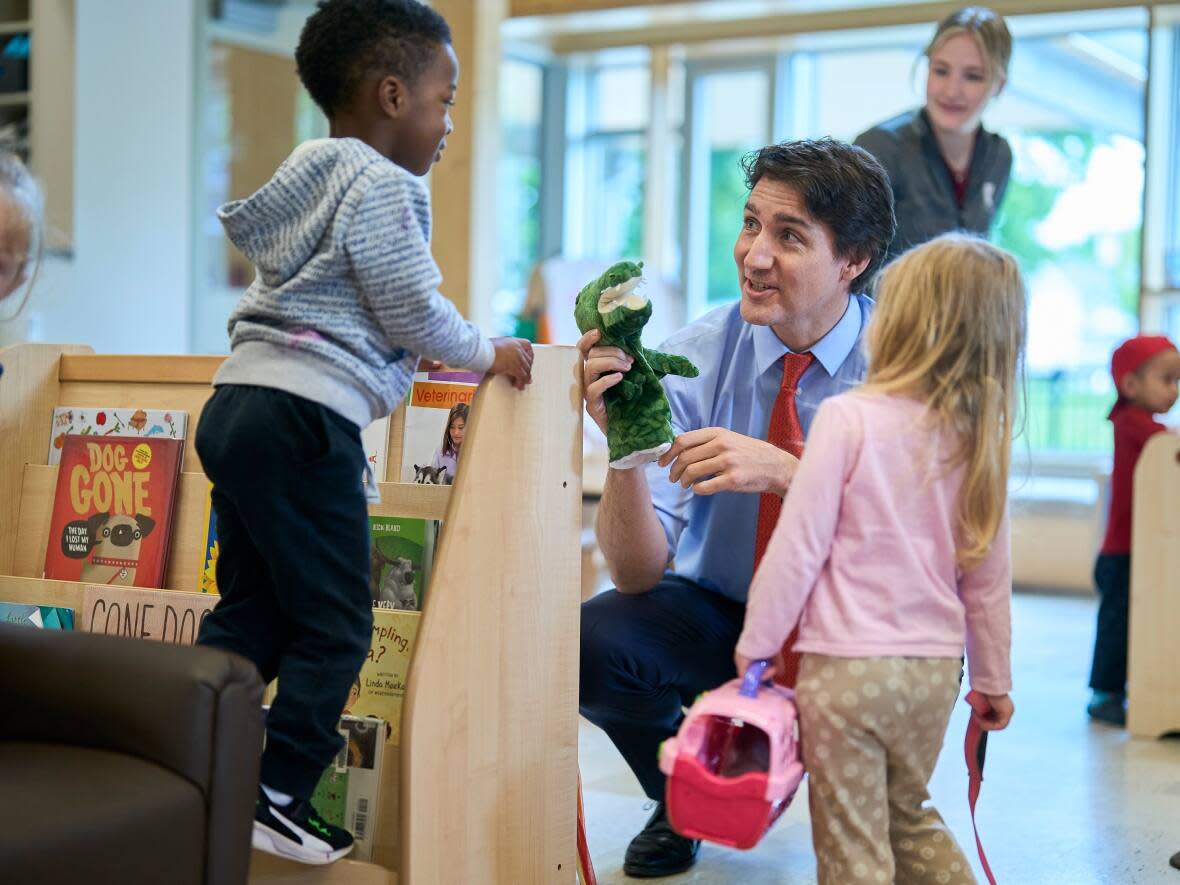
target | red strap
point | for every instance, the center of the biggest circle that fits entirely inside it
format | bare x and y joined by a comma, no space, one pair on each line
975,749
585,864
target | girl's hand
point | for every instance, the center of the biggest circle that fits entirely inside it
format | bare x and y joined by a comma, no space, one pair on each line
1000,714
742,663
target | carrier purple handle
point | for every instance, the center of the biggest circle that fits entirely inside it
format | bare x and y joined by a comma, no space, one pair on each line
753,679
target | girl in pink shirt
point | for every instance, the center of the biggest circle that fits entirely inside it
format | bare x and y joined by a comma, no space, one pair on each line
892,555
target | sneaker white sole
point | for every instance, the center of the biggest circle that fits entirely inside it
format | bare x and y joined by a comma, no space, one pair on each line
266,839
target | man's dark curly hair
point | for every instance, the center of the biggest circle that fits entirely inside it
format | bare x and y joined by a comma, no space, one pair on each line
841,185
344,41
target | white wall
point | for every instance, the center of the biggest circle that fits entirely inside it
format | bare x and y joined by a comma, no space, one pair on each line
126,287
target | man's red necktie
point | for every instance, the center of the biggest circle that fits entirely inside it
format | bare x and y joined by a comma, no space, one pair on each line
786,432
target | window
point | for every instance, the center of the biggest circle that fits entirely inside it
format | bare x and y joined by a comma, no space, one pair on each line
519,181
729,114
606,162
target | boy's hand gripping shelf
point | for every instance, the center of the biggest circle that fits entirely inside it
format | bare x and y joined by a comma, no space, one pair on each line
734,766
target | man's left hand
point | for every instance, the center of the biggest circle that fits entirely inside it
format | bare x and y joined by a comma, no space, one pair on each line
714,459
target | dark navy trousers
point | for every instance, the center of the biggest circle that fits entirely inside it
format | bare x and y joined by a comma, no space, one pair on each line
293,565
645,657
1112,574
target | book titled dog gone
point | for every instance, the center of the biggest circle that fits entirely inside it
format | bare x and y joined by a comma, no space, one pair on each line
112,510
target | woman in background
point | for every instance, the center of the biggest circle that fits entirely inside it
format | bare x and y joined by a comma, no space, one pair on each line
949,173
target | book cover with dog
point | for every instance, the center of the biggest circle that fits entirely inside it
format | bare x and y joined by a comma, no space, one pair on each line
112,510
348,790
113,421
437,408
401,549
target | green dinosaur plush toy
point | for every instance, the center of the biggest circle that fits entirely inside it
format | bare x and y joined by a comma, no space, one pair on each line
639,420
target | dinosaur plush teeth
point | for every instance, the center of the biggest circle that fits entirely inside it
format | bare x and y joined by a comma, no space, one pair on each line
622,295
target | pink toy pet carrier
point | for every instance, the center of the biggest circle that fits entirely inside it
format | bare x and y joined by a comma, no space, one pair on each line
734,766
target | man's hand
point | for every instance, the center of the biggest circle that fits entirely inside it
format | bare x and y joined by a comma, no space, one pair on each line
603,368
514,358
714,459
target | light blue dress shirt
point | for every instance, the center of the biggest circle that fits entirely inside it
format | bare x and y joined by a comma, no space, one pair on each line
711,537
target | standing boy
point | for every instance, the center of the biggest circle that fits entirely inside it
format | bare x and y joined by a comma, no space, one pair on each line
1145,370
325,341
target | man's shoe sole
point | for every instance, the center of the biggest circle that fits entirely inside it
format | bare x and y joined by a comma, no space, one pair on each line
657,873
266,839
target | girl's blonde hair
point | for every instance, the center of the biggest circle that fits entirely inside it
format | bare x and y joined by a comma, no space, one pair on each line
949,329
987,29
24,194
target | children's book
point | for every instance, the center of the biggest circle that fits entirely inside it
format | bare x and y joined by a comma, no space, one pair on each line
162,615
437,409
401,549
382,684
112,421
348,790
112,510
207,574
47,617
375,439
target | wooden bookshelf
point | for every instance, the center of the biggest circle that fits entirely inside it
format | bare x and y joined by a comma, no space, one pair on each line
483,787
1153,665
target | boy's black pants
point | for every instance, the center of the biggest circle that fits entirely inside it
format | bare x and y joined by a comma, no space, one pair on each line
293,565
1112,574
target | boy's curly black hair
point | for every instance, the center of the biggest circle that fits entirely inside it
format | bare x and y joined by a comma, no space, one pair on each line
344,41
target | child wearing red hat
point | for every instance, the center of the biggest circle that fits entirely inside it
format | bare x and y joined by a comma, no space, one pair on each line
1145,370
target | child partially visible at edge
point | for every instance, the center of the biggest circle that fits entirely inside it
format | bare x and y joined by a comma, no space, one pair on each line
325,341
1145,371
892,554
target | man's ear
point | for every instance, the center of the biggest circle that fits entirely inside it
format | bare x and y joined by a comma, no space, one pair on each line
392,95
853,268
998,86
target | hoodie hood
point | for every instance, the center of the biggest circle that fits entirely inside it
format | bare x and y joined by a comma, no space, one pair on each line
280,226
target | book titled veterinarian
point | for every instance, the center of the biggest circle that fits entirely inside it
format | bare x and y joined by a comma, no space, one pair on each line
163,615
349,788
383,674
401,550
112,510
46,617
437,408
113,421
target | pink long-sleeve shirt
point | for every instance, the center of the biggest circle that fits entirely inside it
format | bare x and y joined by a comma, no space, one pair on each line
863,556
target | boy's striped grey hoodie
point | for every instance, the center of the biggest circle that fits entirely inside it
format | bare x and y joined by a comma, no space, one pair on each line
346,297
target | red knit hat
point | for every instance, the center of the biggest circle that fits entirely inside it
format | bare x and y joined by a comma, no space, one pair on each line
1134,352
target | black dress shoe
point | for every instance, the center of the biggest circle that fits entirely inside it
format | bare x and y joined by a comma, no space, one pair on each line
659,850
1175,861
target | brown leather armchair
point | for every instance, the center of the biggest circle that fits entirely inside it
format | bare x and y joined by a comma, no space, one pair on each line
125,761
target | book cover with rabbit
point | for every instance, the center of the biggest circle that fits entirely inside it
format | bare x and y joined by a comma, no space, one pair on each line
112,510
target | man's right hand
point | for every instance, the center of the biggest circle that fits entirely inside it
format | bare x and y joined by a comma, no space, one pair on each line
603,368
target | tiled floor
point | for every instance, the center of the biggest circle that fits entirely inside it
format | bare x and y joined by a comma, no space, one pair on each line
1065,802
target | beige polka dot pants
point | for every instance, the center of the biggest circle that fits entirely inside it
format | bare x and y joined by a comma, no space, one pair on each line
871,730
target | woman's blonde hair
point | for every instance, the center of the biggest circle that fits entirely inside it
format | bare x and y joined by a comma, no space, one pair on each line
949,329
987,29
22,191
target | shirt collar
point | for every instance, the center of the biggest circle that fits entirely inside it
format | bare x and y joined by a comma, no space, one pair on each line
830,351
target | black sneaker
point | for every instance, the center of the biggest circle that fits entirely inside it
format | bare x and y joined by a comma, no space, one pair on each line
1108,706
295,831
659,850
